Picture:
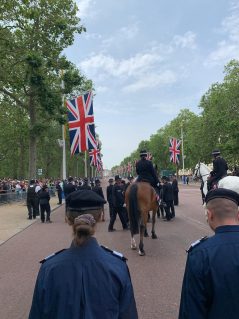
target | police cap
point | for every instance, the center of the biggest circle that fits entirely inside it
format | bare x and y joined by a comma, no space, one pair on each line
143,153
130,177
216,152
117,177
84,200
222,193
110,180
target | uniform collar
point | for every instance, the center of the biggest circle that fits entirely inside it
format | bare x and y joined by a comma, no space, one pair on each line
227,228
91,242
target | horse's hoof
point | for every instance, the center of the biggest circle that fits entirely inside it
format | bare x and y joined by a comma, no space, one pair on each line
141,253
146,235
154,236
133,247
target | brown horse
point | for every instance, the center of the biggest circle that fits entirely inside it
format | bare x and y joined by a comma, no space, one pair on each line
140,198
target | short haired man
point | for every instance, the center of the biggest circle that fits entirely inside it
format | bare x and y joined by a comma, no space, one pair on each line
211,280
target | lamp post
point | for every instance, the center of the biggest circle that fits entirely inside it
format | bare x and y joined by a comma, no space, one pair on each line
63,134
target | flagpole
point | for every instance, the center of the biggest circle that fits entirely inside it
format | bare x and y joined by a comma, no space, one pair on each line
63,134
86,164
182,147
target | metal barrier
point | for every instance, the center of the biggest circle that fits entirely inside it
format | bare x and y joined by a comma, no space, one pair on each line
20,196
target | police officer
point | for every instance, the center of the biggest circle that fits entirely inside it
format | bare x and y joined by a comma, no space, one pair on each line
98,190
85,280
32,200
146,171
109,196
210,286
167,197
219,169
118,204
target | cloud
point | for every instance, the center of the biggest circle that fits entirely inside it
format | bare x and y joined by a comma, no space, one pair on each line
85,8
227,49
152,81
133,66
185,41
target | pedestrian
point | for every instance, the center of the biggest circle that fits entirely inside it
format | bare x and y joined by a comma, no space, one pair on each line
86,280
31,200
175,191
167,198
59,189
68,189
109,196
118,204
98,190
44,200
210,287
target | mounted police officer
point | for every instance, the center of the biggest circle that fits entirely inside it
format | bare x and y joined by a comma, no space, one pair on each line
219,169
146,171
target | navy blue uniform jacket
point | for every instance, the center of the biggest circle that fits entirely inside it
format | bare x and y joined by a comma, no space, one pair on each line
146,172
211,280
219,168
84,282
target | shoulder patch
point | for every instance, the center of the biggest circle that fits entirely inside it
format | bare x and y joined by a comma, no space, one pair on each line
50,256
196,243
115,253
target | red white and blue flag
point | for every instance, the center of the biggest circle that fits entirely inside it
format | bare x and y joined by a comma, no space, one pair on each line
94,156
81,123
174,150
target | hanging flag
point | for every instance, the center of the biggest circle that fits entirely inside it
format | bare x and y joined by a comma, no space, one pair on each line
93,156
81,123
174,150
129,167
149,156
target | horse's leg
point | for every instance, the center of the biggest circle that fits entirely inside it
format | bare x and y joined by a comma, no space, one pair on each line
133,242
141,243
154,236
146,231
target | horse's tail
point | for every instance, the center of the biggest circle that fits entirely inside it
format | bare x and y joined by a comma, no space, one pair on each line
134,213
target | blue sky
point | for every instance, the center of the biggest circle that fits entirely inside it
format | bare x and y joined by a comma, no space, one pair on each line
148,60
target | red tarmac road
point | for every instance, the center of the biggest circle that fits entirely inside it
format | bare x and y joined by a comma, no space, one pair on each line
156,277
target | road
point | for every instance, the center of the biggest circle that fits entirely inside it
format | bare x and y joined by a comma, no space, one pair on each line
156,277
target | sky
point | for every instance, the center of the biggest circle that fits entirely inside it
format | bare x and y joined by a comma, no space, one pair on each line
148,60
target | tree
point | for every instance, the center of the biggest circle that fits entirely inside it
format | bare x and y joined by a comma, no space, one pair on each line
33,34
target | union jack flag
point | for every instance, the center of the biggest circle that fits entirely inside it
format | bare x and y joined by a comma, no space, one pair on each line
149,156
94,154
81,123
174,149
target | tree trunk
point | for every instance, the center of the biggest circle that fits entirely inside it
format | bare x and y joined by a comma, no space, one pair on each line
32,140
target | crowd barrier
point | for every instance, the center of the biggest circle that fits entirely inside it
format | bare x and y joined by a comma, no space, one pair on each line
20,196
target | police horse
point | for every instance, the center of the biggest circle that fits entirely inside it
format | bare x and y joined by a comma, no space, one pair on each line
140,198
202,172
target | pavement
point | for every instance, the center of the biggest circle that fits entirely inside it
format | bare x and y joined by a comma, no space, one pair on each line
13,218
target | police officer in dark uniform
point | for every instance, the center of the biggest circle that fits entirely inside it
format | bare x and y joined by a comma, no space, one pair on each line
109,196
211,280
167,197
118,204
146,171
98,190
85,280
69,187
219,169
32,200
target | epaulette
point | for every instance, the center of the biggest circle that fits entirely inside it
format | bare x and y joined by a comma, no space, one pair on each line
197,242
50,256
115,253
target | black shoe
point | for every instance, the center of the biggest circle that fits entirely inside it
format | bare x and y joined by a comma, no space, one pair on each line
111,230
48,221
29,218
43,221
